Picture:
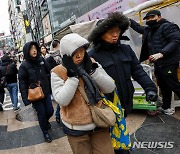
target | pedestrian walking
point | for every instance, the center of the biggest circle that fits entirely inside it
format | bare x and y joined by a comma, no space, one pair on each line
32,71
44,52
10,72
161,45
119,60
78,69
54,60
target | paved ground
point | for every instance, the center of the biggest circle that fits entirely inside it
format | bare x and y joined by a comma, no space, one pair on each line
24,135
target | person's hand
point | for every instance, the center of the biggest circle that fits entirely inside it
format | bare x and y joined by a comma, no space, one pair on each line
89,65
151,96
72,70
155,57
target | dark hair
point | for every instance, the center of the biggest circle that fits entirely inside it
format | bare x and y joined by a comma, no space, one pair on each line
43,45
55,43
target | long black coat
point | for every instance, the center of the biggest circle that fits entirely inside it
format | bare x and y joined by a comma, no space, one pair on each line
52,63
163,38
121,63
32,71
1,87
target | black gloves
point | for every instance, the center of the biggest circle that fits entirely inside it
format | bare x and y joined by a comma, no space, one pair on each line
89,66
72,70
151,96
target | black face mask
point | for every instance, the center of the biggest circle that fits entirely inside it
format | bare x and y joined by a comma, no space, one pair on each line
152,23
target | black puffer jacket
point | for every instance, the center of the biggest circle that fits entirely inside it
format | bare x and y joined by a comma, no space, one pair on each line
119,60
52,63
32,71
163,38
9,69
1,84
121,63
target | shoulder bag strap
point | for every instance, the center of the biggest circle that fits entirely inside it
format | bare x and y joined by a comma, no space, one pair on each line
7,69
83,93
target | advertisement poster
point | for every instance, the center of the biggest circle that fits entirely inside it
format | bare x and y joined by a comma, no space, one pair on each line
109,6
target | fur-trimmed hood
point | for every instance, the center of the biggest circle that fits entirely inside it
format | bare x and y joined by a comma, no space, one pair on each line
71,42
114,19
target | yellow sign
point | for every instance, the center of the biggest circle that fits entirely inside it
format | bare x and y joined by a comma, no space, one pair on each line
26,23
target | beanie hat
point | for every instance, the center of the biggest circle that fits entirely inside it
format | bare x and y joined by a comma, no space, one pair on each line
71,42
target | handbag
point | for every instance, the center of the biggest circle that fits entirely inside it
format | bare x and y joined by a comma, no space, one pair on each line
102,114
178,73
35,94
119,132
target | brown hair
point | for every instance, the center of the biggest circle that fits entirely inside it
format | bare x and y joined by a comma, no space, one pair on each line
45,47
55,43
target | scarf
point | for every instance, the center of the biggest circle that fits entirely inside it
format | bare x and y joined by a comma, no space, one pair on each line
56,56
90,86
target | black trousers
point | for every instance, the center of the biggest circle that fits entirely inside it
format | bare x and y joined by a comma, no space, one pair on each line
44,110
167,81
2,96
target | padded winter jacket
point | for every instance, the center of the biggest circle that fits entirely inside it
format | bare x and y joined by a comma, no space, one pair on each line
31,71
164,38
121,63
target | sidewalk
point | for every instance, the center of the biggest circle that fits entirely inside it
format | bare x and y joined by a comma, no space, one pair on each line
25,136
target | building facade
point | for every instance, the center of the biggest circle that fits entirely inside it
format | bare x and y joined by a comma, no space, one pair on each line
48,17
16,9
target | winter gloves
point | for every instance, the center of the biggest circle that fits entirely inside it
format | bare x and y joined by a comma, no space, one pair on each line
155,57
151,96
89,66
72,70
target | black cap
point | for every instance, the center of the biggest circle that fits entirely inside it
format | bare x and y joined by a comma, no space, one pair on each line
152,13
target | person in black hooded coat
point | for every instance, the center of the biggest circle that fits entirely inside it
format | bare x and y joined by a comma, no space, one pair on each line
32,70
119,61
9,70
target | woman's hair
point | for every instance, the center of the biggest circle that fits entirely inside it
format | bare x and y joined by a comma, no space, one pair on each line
45,47
55,43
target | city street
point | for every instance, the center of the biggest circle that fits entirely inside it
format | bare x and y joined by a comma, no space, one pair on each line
80,52
20,132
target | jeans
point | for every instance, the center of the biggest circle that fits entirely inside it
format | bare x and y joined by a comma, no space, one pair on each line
13,91
44,110
57,114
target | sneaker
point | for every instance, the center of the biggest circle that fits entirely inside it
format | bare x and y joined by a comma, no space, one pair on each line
1,108
17,109
168,111
47,138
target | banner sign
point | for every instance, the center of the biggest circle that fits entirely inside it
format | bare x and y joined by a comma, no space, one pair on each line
107,7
